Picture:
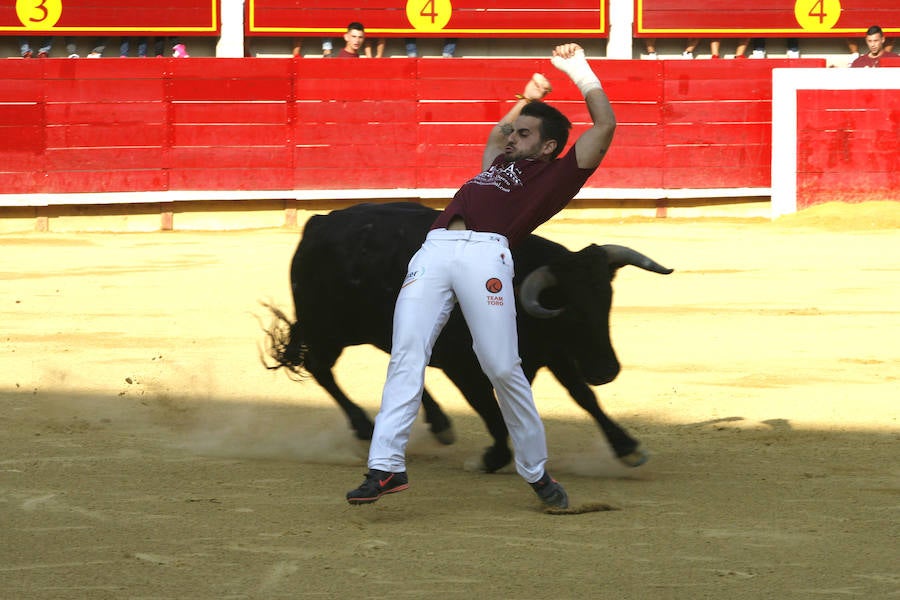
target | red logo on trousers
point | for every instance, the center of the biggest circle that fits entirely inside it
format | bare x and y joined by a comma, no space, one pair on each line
493,285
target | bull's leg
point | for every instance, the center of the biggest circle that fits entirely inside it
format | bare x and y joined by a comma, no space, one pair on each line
478,392
439,423
321,371
625,447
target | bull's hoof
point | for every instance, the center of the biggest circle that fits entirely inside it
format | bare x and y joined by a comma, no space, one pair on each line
635,458
495,459
446,436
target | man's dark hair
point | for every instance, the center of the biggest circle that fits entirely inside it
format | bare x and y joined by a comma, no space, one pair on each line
355,25
874,30
554,124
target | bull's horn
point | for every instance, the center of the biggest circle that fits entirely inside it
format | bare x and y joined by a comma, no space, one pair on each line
530,292
620,256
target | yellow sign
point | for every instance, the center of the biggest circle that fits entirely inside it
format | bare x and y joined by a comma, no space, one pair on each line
39,14
428,15
817,15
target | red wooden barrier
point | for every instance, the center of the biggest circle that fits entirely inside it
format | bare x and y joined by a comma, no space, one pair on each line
846,146
108,125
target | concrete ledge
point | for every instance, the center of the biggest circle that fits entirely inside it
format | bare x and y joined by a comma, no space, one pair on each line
223,214
414,194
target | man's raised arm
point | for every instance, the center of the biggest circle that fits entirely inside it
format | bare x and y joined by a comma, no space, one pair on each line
591,146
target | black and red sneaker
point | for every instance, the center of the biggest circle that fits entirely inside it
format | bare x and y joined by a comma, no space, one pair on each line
377,484
550,491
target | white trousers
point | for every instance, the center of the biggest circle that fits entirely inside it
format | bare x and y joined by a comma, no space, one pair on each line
475,269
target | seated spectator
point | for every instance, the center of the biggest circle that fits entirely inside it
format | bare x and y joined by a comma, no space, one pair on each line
379,48
877,49
448,50
793,48
98,47
178,49
142,45
759,48
327,47
853,49
714,46
26,51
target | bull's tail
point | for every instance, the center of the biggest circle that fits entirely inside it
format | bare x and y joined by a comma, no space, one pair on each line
284,345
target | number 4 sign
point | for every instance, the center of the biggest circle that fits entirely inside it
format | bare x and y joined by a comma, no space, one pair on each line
817,15
428,15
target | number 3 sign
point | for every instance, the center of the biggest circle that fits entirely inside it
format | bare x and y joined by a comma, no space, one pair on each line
39,14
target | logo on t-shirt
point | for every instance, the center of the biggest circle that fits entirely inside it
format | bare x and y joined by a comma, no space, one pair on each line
503,177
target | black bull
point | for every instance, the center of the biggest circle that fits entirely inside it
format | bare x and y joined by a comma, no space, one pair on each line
345,277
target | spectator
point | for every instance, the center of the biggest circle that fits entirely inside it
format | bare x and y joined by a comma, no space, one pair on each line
178,49
714,47
759,48
379,48
327,47
650,48
142,45
448,50
877,49
98,47
853,48
353,40
793,48
43,49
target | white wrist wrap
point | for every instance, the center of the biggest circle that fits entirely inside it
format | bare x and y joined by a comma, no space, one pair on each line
579,71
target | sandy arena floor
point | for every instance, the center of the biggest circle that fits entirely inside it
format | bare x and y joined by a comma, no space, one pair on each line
146,453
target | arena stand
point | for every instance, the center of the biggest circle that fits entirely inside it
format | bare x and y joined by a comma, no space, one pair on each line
170,137
168,130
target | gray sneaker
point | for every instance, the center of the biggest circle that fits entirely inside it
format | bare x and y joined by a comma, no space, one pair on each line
550,491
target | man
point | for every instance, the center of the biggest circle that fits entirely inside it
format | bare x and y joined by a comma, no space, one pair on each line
353,41
877,51
466,259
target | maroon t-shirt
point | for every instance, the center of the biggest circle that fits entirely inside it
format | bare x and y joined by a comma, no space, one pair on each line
865,60
513,198
344,54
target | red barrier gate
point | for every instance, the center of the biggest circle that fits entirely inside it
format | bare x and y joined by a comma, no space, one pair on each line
110,125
